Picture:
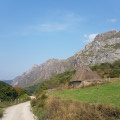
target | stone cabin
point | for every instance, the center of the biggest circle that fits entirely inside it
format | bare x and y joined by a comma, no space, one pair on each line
84,76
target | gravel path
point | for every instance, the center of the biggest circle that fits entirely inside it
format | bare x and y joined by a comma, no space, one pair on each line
18,112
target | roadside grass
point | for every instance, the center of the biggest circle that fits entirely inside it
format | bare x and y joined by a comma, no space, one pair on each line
108,93
24,97
48,108
1,112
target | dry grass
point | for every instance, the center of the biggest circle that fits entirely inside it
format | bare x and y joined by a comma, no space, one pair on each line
57,109
69,110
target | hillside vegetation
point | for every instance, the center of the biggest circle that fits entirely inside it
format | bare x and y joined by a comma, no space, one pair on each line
106,70
7,92
56,81
31,90
10,96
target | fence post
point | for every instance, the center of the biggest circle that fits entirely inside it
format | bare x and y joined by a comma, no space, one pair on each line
18,100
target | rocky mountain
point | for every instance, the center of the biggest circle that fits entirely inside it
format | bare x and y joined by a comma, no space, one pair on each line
104,48
43,72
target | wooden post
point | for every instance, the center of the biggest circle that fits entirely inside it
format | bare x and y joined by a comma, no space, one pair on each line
97,92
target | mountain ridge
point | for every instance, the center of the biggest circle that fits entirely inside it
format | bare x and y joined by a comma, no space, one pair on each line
104,48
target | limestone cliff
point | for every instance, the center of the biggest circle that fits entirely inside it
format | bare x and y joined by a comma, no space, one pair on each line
104,48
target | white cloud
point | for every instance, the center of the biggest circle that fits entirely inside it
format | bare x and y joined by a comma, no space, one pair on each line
58,21
112,20
92,36
89,38
52,27
48,27
73,18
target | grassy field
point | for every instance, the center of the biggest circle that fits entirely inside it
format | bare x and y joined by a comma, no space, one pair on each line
109,93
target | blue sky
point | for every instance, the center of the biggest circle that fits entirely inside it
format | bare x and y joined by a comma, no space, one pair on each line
32,32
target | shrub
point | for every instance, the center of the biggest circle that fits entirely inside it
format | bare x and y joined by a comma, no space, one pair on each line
44,96
108,69
7,92
33,102
1,112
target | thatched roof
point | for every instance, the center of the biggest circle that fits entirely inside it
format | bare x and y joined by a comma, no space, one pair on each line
84,73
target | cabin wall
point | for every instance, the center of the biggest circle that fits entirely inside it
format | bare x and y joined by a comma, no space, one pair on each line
75,83
81,83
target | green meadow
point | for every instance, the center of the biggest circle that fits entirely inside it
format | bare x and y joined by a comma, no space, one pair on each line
108,93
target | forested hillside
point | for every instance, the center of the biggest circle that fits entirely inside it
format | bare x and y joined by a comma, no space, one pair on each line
7,92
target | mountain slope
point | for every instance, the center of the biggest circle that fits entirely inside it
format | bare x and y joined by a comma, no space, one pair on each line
43,72
104,48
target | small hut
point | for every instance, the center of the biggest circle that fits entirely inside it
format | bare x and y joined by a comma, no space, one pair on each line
84,77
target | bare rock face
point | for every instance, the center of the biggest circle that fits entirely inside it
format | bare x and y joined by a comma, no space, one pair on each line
104,48
43,72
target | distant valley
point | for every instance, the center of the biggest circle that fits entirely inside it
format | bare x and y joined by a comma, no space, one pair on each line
8,81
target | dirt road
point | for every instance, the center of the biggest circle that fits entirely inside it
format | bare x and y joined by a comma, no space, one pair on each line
18,112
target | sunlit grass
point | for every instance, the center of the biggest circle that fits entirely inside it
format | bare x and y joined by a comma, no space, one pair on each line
109,93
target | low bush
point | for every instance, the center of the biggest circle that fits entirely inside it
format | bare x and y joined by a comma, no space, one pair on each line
33,102
1,112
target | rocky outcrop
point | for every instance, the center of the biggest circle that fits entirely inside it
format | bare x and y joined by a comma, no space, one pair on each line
43,72
104,48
